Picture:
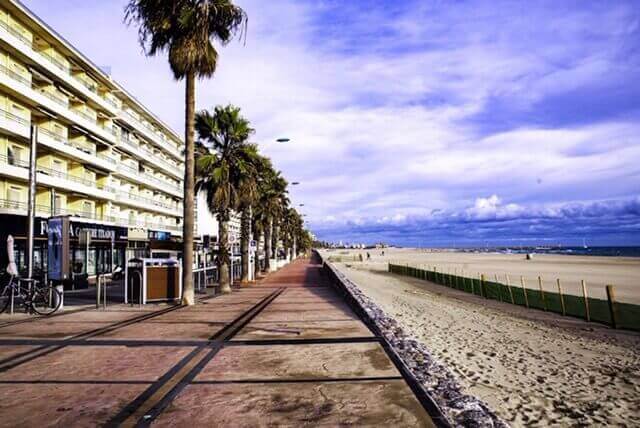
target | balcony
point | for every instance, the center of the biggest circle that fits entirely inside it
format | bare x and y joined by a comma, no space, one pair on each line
19,207
143,153
151,134
148,179
23,86
57,142
56,67
148,203
150,225
58,179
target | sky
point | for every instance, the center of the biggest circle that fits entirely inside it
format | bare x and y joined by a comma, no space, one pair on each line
430,123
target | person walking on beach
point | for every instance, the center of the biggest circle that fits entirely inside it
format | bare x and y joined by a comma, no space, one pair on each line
368,256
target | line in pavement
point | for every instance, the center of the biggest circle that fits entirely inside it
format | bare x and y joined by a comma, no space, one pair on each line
151,402
309,380
17,360
50,347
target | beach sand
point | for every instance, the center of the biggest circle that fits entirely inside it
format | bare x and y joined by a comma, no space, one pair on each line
533,368
621,272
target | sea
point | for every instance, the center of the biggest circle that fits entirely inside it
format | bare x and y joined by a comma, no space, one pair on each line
575,251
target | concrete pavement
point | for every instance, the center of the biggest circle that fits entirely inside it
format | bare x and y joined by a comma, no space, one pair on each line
286,351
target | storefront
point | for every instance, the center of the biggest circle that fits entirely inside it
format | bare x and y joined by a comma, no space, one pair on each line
102,253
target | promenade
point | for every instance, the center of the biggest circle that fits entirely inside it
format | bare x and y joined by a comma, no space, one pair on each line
286,351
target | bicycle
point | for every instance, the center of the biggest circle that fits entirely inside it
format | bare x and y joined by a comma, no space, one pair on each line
41,300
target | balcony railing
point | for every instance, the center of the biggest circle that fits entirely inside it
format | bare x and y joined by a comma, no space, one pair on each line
85,115
134,146
54,61
92,215
163,141
124,168
47,210
14,118
135,197
55,173
15,76
28,83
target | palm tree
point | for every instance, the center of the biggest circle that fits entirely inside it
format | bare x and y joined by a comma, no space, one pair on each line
248,204
226,172
185,29
274,207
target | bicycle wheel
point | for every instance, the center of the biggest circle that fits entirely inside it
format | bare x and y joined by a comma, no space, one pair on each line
46,300
5,297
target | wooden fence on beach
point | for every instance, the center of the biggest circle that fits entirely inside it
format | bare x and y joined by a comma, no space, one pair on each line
610,312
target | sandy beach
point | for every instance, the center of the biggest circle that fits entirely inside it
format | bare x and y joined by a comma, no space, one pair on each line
621,272
533,368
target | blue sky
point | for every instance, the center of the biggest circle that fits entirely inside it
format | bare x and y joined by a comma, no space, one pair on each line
422,122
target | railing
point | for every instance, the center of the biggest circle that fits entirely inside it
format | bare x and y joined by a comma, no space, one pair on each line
29,84
90,86
162,141
107,158
86,116
58,100
124,222
136,172
133,196
154,157
55,62
45,209
66,142
14,118
55,173
15,76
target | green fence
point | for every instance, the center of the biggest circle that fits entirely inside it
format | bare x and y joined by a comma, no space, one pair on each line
616,314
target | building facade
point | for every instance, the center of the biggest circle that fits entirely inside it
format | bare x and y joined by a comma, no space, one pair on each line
102,157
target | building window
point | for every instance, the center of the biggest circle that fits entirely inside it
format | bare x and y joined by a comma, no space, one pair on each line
14,155
57,205
58,166
14,195
87,209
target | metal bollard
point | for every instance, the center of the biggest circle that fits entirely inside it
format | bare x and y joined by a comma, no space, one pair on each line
104,296
98,292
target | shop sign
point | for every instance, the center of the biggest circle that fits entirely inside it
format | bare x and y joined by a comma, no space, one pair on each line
158,235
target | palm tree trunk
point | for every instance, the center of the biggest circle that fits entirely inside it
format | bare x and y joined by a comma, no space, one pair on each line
245,226
267,247
256,259
274,242
223,255
188,295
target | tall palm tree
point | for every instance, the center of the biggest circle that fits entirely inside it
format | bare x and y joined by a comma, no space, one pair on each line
226,172
275,206
248,204
186,29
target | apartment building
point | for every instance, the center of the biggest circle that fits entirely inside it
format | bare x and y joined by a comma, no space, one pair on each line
102,157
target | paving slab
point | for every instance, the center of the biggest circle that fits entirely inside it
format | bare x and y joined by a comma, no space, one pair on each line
50,329
165,331
309,361
303,330
285,316
388,403
99,363
10,351
63,405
